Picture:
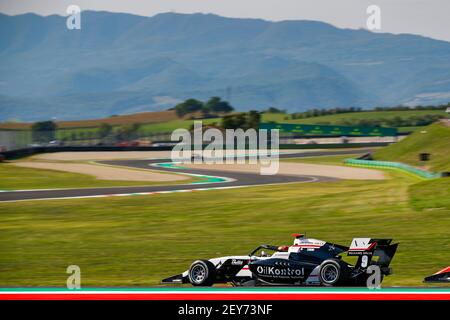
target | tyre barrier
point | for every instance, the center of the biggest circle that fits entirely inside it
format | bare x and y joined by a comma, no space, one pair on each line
394,165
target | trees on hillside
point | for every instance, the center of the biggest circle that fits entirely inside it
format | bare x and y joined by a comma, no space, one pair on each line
43,131
188,106
128,132
212,106
398,121
104,130
274,110
215,104
242,120
323,112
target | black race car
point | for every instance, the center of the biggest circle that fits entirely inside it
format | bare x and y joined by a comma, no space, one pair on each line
307,262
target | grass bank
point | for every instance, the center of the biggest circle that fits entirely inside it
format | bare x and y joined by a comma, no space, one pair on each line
433,139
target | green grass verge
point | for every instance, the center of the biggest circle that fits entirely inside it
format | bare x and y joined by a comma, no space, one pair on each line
333,160
138,241
18,178
431,195
336,118
433,139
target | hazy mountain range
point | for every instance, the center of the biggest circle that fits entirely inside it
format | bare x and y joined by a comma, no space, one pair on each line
121,63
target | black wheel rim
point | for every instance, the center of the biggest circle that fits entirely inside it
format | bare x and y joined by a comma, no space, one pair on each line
330,273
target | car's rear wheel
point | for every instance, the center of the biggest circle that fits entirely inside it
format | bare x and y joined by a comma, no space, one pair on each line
332,273
202,273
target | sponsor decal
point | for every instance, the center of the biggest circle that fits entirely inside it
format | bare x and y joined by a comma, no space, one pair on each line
361,246
280,273
359,253
235,262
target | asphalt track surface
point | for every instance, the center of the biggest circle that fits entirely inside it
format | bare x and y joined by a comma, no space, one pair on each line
235,179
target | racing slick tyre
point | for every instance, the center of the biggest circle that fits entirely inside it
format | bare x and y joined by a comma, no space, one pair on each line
333,273
202,273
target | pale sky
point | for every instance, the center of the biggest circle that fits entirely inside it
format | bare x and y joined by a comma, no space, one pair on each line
430,18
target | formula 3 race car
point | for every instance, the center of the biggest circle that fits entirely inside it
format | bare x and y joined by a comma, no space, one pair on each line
306,262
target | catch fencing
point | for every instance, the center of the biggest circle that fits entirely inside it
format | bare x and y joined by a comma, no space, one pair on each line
11,140
14,139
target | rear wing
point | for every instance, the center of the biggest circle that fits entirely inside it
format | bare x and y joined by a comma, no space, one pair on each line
372,251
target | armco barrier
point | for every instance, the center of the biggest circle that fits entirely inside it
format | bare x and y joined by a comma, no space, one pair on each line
393,165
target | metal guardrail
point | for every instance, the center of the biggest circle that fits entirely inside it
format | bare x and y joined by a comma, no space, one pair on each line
394,165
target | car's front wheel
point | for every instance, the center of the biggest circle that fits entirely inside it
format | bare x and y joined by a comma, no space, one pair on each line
202,273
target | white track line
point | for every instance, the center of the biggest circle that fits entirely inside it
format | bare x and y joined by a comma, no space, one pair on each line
312,179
